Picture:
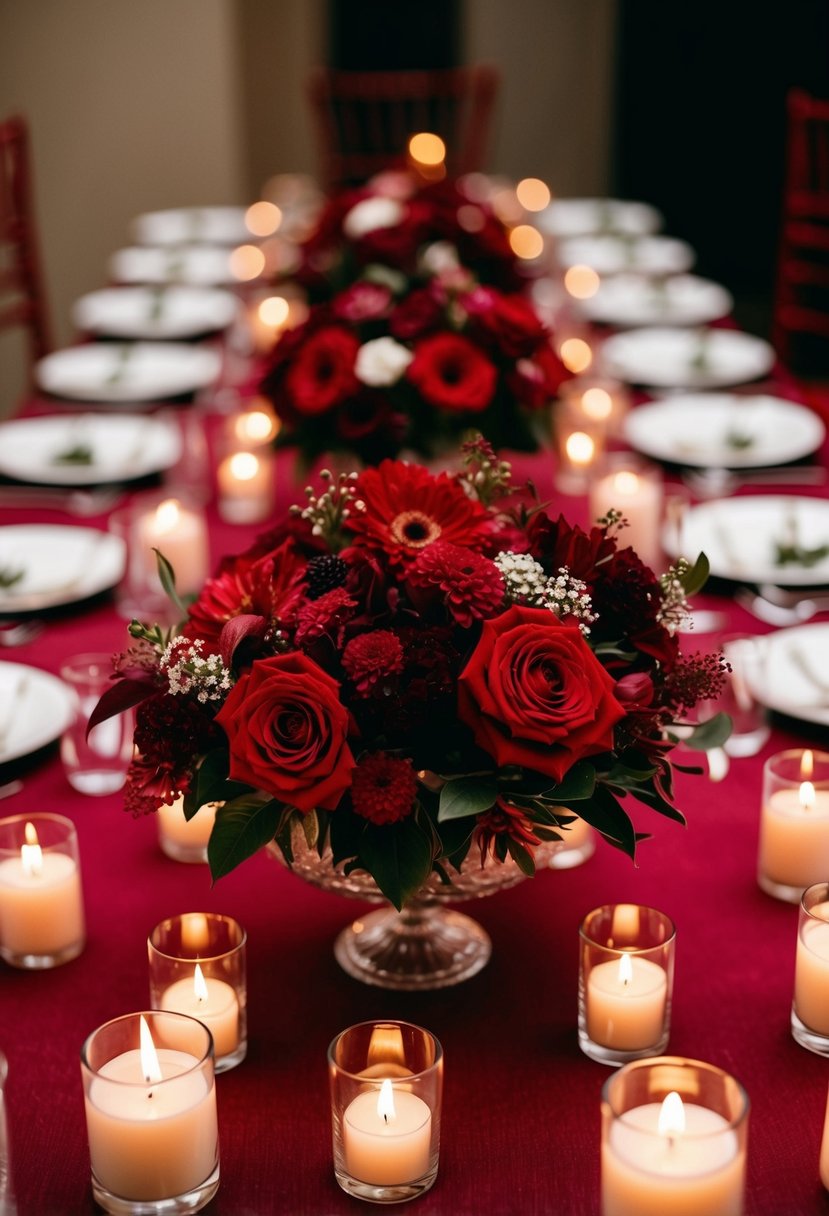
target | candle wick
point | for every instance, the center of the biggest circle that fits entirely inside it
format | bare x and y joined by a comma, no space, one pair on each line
385,1118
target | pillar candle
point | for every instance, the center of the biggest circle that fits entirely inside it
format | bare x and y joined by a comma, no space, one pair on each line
180,535
794,836
811,976
638,496
187,834
824,1149
210,1000
625,1003
41,904
387,1136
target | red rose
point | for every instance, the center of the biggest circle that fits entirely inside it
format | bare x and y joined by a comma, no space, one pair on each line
535,695
322,372
511,324
416,314
452,373
287,732
361,302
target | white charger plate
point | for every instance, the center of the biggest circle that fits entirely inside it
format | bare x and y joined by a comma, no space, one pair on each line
60,564
200,265
650,255
41,708
141,312
793,674
663,357
569,217
135,371
724,430
124,447
631,300
192,225
739,537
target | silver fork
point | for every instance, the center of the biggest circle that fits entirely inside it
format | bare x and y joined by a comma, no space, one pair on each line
18,633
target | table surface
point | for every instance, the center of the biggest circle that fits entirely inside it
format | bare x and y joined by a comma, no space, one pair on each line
520,1129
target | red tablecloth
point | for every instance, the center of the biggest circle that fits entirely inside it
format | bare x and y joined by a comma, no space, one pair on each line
520,1130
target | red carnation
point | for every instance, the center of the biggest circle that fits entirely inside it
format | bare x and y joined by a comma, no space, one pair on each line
383,788
322,372
452,373
472,585
371,659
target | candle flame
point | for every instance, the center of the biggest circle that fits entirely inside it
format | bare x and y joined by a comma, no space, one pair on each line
199,986
581,282
274,311
533,194
263,218
580,448
167,515
597,403
150,1066
671,1115
31,854
807,795
575,354
385,1102
526,242
244,466
807,764
427,149
247,262
625,970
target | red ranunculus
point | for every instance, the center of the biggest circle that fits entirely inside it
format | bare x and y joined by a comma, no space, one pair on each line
534,694
287,731
322,372
452,373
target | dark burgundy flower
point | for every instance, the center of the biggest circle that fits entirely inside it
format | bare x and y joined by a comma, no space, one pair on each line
556,543
327,614
470,585
452,373
171,733
370,660
510,324
383,788
504,821
361,302
418,313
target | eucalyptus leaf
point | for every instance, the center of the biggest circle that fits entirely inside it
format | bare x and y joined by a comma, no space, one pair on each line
708,734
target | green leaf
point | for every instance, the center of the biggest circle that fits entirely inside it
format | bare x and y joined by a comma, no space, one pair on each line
242,827
212,784
708,734
694,579
399,858
604,813
466,796
521,857
167,577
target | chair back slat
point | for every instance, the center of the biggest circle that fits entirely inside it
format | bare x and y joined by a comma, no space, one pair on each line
20,272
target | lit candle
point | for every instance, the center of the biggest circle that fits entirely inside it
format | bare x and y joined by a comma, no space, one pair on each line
186,839
41,904
626,1003
638,496
387,1136
180,535
151,1122
672,1159
245,482
210,1000
794,831
267,319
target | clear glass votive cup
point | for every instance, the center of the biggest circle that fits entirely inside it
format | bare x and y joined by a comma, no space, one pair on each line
810,1006
41,898
579,444
197,967
177,529
97,762
150,1099
185,839
598,400
674,1138
386,1083
7,1201
793,851
626,977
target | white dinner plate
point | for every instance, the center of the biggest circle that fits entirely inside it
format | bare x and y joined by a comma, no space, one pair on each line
740,536
192,226
127,371
200,265
631,300
120,447
164,312
58,565
724,430
569,217
650,255
35,708
686,358
792,675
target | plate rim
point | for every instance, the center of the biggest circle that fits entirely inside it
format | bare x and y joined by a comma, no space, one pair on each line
119,392
612,368
43,600
156,422
54,682
776,637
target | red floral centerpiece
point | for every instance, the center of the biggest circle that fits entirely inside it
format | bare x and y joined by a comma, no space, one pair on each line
426,672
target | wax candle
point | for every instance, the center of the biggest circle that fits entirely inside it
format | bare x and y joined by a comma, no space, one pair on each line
824,1149
245,481
186,839
672,1159
637,494
387,1136
151,1122
210,1000
626,1003
180,534
41,903
794,836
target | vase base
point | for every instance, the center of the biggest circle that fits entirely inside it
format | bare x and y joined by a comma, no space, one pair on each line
432,948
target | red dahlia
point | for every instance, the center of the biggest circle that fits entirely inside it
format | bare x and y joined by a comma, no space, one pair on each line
371,658
322,372
452,373
383,788
472,585
324,615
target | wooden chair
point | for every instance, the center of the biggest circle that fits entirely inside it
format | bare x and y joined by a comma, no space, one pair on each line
801,298
364,119
22,299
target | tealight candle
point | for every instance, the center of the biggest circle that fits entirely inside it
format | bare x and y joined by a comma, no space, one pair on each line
180,535
245,482
794,823
185,839
579,445
386,1085
599,401
625,982
41,902
673,1140
151,1113
197,967
635,490
810,1007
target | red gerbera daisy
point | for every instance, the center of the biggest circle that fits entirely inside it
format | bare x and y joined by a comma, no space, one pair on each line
406,508
322,372
472,585
452,373
383,788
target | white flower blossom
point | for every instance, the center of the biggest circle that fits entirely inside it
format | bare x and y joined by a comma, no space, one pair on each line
439,257
187,671
526,583
371,214
381,361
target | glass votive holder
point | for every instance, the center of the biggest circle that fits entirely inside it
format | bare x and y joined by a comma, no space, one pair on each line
599,400
197,967
94,761
632,487
7,1201
810,1006
245,480
185,839
626,977
386,1083
41,900
579,444
674,1139
150,1099
178,531
794,823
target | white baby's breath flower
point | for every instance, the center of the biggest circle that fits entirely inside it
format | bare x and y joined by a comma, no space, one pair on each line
381,361
439,257
187,671
371,214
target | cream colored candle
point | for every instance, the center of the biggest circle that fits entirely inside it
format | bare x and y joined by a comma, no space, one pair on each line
152,1139
794,836
692,1169
625,1003
245,481
213,1002
638,496
180,535
824,1150
811,976
387,1136
186,834
41,904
